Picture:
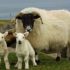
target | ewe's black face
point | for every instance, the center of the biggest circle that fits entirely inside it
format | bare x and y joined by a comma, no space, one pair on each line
27,20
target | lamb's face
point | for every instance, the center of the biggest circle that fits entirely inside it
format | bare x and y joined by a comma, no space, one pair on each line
20,38
2,36
27,20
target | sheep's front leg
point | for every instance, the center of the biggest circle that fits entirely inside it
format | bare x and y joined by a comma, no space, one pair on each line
68,52
33,60
37,57
7,65
16,65
19,63
26,60
58,56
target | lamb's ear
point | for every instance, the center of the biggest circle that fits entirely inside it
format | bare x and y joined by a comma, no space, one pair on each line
6,33
26,34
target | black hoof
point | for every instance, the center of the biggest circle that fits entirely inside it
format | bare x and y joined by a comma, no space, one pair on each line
68,58
38,61
13,63
58,59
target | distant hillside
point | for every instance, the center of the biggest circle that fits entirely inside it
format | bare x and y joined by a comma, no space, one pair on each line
6,25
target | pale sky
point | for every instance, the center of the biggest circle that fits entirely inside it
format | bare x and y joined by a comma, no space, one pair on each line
14,6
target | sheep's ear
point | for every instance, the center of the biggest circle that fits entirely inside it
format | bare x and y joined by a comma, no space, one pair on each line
26,34
6,33
14,34
19,16
36,16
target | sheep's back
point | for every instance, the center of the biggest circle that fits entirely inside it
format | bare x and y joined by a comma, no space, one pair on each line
63,15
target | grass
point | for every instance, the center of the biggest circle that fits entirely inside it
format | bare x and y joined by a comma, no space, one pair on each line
2,22
47,63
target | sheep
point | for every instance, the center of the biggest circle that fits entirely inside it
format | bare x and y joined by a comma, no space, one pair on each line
4,50
45,30
24,48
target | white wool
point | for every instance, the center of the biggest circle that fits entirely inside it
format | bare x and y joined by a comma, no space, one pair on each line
63,15
20,29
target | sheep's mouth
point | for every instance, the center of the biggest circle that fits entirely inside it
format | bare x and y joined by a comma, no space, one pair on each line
28,20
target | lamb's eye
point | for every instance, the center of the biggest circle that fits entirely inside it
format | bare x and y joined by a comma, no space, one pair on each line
2,37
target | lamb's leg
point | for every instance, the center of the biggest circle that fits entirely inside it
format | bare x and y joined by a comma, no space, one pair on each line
33,60
0,61
7,65
26,60
19,63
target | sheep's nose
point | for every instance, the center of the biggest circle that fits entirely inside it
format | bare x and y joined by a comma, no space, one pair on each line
28,28
19,42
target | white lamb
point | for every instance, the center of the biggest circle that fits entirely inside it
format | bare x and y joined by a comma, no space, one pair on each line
24,48
4,50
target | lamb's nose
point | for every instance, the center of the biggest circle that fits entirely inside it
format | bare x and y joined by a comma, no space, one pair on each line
19,42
